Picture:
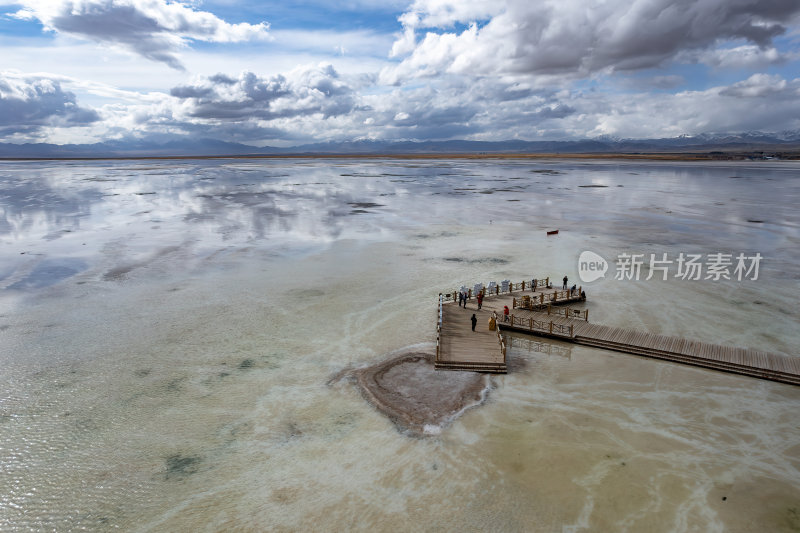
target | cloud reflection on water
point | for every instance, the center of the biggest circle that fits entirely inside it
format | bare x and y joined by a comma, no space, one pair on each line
107,214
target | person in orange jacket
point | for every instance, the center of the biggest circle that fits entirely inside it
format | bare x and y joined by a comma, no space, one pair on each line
505,313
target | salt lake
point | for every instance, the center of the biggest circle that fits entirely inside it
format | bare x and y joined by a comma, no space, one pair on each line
170,331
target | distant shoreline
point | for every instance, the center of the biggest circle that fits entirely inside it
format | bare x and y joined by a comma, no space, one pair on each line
656,156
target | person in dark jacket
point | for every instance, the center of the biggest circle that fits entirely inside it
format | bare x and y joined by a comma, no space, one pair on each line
474,321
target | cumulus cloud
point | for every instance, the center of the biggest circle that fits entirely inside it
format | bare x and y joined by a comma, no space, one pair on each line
312,104
154,29
461,109
471,111
30,103
303,91
574,37
772,104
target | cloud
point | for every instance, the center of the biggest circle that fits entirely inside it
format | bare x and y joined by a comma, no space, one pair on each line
300,105
745,56
154,29
574,38
460,109
757,86
313,104
772,103
475,111
30,103
315,90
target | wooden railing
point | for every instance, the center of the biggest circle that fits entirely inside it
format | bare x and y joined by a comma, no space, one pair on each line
498,289
534,301
550,309
499,337
542,326
569,312
533,345
439,327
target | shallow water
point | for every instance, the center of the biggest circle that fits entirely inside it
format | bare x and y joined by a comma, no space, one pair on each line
168,331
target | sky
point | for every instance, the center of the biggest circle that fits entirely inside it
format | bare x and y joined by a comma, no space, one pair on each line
289,73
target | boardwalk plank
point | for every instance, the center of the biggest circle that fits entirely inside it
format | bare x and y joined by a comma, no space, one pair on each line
460,345
653,342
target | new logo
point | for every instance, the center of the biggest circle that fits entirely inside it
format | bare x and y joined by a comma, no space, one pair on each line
591,267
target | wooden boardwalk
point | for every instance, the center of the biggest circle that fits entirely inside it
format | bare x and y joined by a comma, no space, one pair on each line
460,348
746,361
481,351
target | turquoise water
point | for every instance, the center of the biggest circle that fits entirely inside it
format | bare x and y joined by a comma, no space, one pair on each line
168,332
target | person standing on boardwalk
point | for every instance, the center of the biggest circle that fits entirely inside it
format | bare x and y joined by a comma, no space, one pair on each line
480,299
565,283
460,298
533,284
505,313
465,299
474,320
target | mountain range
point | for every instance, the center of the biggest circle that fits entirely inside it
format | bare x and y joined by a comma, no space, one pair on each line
176,145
